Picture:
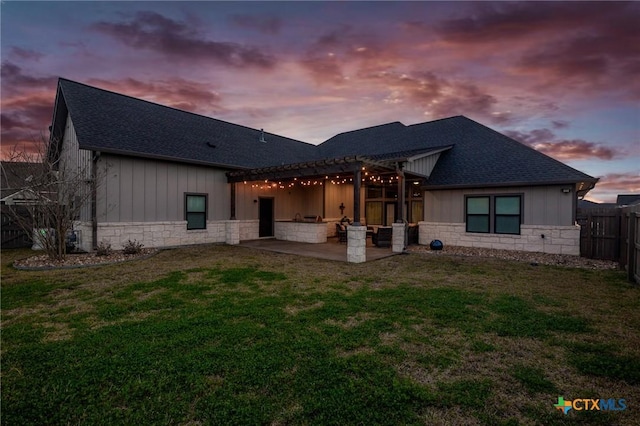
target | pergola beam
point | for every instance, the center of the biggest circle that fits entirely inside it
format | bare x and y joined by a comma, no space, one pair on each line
310,170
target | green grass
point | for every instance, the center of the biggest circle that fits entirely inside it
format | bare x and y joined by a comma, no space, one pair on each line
224,335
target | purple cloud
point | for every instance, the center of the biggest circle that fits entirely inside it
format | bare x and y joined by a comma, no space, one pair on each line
264,25
545,141
154,32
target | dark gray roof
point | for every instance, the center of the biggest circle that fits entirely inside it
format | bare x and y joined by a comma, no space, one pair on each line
627,199
476,155
14,175
111,122
479,156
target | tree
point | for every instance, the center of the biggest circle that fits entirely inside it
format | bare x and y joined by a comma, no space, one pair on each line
54,192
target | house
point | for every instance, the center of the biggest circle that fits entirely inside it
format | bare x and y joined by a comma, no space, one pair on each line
167,177
14,176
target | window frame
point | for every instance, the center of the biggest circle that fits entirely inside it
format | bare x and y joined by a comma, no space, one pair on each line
187,212
496,214
492,215
467,214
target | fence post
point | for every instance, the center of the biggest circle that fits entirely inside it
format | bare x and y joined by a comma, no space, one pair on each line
631,246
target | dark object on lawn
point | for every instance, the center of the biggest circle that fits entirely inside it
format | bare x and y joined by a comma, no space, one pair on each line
436,245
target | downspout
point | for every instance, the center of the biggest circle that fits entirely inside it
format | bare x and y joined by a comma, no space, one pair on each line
94,199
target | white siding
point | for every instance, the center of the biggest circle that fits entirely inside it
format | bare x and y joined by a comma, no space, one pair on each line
423,166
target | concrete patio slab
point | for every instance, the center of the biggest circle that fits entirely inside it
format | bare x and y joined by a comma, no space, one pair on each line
331,250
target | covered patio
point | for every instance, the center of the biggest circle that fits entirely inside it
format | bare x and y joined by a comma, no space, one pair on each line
355,172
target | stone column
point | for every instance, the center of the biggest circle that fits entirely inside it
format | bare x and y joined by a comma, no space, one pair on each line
356,244
397,239
232,232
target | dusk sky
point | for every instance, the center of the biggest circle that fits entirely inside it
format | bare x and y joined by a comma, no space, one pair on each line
562,77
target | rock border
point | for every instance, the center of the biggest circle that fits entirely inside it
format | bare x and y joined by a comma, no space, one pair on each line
148,254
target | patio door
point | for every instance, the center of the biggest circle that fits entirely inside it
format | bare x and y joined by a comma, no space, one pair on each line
265,208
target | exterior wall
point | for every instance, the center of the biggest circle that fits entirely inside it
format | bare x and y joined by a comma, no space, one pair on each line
541,205
423,166
249,229
307,200
76,168
301,232
557,239
85,235
137,190
160,234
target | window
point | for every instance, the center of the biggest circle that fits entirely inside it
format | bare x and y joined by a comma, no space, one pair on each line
499,214
507,218
196,211
478,214
374,212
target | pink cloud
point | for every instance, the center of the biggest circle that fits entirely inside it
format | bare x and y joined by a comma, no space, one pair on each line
154,32
545,141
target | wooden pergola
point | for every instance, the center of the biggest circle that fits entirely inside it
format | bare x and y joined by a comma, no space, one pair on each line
320,169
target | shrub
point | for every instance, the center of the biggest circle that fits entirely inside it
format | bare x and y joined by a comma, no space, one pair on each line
103,249
132,247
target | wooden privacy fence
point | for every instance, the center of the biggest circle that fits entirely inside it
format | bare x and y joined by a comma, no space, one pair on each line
612,234
12,234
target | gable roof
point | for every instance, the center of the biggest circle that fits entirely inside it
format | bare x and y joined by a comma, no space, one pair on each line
479,156
470,154
110,122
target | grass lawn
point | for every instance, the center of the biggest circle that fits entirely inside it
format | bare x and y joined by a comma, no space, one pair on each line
229,335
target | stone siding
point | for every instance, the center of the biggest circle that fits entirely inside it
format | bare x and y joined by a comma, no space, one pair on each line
301,232
557,239
249,230
397,238
356,244
161,234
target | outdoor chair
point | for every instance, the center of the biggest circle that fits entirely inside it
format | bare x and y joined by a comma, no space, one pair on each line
341,232
382,237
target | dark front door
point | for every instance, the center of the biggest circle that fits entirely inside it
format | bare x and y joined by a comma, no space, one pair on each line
266,217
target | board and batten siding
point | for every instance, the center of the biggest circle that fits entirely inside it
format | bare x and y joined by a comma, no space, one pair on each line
541,205
146,190
76,168
305,200
423,166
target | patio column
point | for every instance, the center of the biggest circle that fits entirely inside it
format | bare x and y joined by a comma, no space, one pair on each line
356,243
233,201
357,183
399,238
401,194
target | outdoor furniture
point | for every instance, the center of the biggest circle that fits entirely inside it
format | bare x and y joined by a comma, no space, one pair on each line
370,232
341,232
382,237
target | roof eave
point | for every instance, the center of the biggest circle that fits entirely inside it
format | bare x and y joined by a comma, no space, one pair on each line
592,181
159,157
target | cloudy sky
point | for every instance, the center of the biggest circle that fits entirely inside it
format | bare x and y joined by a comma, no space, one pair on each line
562,77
